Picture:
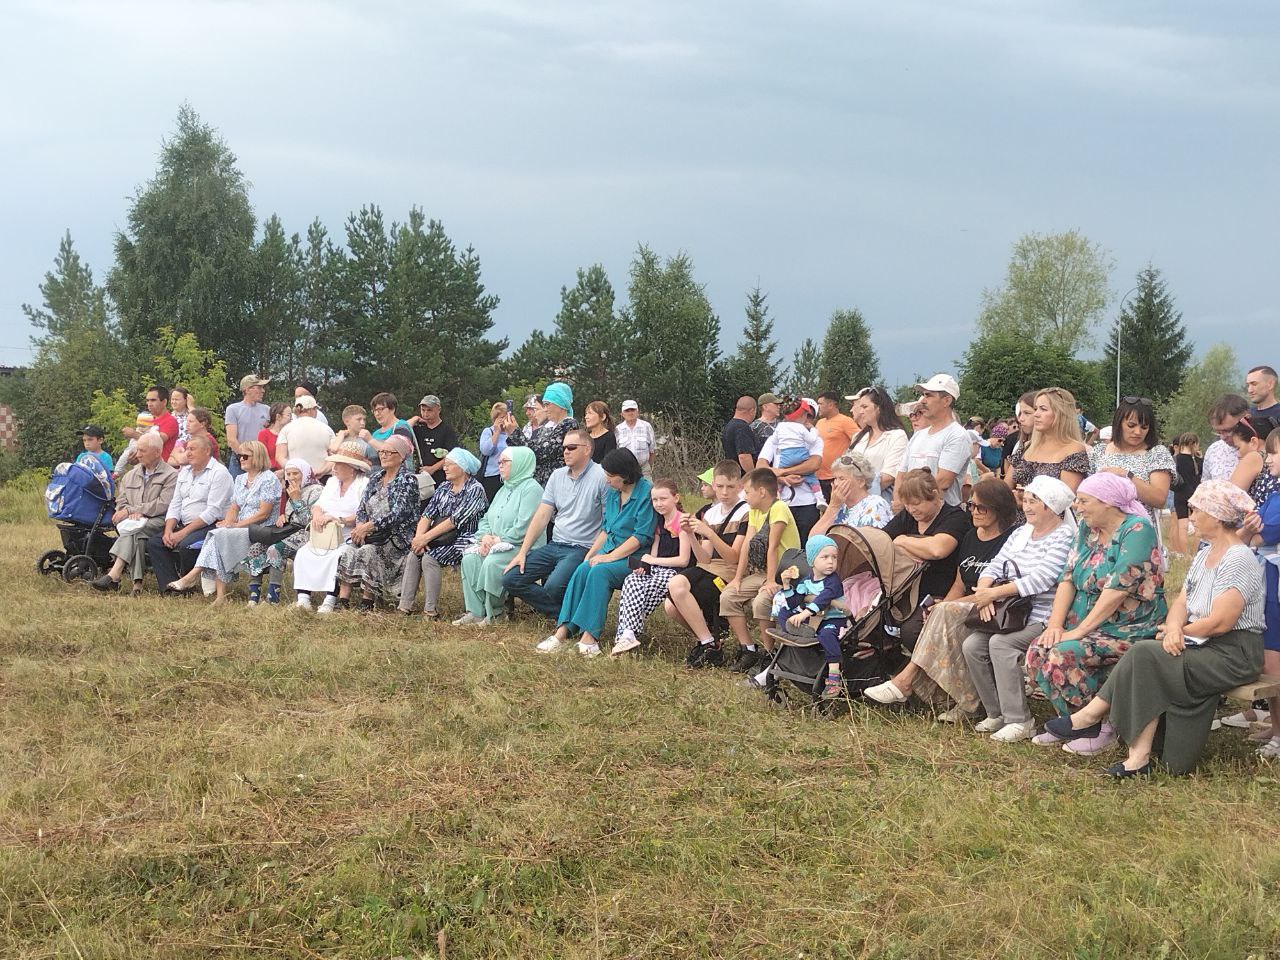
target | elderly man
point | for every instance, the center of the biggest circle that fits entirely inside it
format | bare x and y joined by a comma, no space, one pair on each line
200,498
432,434
770,406
1260,385
305,436
939,443
636,435
142,499
245,419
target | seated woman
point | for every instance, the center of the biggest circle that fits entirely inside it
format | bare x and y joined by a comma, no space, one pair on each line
498,536
1030,564
645,588
254,497
1111,594
445,529
388,510
1210,642
273,544
932,637
717,531
852,502
315,568
628,526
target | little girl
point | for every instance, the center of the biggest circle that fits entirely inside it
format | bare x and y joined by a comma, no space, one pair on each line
792,437
645,587
815,599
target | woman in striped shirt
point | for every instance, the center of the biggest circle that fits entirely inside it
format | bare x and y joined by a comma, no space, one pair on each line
1210,642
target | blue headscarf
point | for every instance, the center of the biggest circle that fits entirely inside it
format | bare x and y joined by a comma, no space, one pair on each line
561,394
465,459
815,545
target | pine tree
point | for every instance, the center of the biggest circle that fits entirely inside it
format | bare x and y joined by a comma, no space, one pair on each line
753,368
587,337
275,302
849,361
1154,350
806,369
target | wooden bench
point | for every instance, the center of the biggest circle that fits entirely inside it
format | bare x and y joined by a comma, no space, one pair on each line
1267,685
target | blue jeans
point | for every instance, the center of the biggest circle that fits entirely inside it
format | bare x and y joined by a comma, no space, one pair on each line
233,465
553,564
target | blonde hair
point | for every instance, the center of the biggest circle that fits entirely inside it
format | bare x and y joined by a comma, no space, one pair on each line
259,459
1065,429
918,486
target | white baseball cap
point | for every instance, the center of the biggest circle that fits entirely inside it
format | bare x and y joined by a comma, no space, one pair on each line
941,383
306,402
630,405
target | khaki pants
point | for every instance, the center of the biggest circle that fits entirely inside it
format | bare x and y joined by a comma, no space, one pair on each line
132,547
735,603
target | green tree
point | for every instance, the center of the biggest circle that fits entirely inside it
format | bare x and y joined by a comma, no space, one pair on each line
1154,350
323,354
753,368
849,361
672,336
806,370
185,258
587,336
998,369
275,302
540,356
1055,291
1187,411
77,352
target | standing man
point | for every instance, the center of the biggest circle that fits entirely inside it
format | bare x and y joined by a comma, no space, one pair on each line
246,418
143,497
432,434
305,436
201,494
837,431
939,443
1260,385
1221,457
574,499
739,440
306,388
770,407
636,435
162,422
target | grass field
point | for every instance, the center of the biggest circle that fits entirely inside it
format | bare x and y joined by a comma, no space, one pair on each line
182,782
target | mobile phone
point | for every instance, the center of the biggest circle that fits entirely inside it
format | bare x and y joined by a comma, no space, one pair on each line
510,407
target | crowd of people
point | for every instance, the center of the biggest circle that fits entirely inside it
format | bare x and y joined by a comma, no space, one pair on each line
1041,539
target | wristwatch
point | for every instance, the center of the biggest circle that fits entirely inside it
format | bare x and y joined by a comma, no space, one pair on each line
1129,474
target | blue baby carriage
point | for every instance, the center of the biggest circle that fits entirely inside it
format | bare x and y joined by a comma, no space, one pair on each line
81,498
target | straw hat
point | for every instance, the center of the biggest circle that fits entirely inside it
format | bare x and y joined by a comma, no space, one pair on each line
350,453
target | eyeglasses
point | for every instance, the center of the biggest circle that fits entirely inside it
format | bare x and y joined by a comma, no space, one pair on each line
572,446
1137,402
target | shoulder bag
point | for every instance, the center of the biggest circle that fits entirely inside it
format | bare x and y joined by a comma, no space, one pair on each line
1008,614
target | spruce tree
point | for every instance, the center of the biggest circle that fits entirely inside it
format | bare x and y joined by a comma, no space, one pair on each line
806,370
753,368
849,361
587,338
1154,350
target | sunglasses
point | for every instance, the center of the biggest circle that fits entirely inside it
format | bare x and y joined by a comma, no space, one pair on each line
1137,402
978,507
243,456
572,446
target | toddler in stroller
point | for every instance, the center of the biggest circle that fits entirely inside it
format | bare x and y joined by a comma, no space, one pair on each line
811,603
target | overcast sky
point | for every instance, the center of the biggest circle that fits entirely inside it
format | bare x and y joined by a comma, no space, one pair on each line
841,154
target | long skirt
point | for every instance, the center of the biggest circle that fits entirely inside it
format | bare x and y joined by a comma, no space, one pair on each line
482,583
1148,683
224,550
1071,671
586,601
376,568
642,593
939,653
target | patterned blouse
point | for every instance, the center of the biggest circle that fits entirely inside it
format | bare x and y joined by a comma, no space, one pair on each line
547,444
1130,562
1141,464
1024,471
396,511
870,511
464,507
249,498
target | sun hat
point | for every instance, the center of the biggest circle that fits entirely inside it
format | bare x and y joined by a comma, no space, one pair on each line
350,452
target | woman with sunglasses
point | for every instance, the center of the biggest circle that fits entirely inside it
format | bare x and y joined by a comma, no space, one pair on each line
1133,452
881,437
1251,475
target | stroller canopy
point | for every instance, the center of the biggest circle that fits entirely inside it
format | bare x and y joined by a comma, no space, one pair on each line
78,491
871,550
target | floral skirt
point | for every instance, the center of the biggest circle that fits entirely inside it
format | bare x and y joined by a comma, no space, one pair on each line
376,568
1070,672
938,652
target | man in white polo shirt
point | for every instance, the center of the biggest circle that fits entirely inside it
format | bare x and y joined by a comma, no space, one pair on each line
636,435
305,436
939,442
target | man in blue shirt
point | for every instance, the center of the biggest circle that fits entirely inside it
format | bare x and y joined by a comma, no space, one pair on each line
574,498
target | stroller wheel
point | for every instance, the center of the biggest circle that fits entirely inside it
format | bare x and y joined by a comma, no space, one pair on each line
51,561
80,567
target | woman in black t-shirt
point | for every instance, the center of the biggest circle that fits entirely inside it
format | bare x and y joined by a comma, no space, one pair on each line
929,529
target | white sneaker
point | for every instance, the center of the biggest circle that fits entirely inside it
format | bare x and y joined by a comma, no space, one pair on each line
328,605
468,619
588,650
954,715
625,642
989,725
303,602
1243,720
549,645
1013,732
885,693
252,602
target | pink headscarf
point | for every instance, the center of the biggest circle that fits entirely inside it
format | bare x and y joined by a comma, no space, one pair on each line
1119,492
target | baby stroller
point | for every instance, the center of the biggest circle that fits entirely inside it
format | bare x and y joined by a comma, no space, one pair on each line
81,497
870,647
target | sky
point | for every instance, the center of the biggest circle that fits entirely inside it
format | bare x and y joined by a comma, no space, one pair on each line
883,156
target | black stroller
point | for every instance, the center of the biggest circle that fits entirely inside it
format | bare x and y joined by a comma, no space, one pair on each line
870,647
81,498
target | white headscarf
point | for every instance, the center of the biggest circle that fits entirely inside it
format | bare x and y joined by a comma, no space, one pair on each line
303,467
1052,492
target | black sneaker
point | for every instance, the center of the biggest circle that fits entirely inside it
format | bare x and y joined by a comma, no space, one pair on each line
748,661
704,655
105,583
366,605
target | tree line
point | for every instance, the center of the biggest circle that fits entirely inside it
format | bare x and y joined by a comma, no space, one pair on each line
198,290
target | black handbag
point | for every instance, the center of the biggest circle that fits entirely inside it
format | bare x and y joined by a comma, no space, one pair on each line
1008,614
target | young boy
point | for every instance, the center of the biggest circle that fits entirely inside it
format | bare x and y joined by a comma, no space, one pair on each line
353,428
92,437
814,599
694,595
771,531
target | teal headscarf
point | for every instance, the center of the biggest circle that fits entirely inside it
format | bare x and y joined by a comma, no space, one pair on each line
561,394
465,459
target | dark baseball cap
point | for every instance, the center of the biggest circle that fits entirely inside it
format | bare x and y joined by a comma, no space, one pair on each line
92,430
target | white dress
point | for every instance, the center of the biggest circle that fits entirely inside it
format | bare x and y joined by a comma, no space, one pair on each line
317,570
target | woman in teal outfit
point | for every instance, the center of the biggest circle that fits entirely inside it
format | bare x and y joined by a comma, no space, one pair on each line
500,533
629,522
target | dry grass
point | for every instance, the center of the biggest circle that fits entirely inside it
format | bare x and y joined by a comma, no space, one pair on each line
181,782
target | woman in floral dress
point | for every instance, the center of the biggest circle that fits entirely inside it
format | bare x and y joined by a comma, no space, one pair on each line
1111,594
273,544
1056,449
547,441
